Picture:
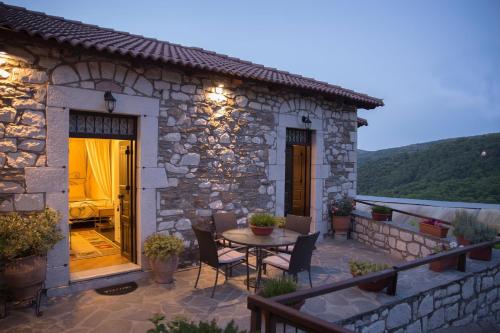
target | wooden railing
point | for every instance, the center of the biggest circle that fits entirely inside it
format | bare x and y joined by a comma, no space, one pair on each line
403,212
270,314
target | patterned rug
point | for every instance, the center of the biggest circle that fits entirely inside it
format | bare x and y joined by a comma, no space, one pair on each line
90,244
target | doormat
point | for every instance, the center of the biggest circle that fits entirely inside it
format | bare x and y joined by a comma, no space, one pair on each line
119,289
87,244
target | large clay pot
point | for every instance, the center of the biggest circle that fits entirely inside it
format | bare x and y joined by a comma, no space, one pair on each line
375,286
24,277
341,223
164,269
261,231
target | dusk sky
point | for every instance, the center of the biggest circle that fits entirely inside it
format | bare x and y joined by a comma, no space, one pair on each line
436,64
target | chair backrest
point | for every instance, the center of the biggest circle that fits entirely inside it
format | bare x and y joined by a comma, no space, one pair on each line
300,224
207,246
224,221
300,259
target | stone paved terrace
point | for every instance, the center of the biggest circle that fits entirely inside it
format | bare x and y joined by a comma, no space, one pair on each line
90,312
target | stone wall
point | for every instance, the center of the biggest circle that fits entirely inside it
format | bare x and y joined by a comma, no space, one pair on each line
393,239
473,298
217,136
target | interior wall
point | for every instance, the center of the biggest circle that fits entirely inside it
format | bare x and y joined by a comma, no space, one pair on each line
80,172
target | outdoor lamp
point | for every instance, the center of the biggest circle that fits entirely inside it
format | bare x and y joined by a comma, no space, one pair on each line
110,101
307,122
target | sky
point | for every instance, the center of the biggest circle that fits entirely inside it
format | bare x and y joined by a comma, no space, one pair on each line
436,64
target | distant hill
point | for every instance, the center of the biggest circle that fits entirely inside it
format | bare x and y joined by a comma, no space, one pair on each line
448,170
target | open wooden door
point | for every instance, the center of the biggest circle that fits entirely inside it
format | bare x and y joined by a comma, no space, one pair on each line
126,196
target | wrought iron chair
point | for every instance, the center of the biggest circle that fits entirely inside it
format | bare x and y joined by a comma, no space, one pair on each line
224,222
299,260
300,224
226,257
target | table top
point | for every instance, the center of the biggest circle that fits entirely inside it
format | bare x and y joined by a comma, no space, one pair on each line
245,236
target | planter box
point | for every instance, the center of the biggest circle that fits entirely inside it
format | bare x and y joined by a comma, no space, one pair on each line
261,231
341,223
382,216
444,264
428,227
479,254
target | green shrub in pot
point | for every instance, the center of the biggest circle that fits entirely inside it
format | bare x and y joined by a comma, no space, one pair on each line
163,252
24,235
25,240
280,286
381,210
359,268
182,325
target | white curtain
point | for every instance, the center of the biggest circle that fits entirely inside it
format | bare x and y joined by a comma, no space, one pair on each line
99,157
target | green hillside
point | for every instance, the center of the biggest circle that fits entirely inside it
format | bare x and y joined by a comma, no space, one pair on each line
449,170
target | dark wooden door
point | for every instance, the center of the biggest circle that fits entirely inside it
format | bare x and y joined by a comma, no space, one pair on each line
298,172
126,196
299,180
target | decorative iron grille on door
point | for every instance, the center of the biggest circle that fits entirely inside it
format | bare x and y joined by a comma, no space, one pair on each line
100,125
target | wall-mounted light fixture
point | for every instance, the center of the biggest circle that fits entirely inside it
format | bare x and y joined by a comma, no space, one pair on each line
110,101
307,122
218,94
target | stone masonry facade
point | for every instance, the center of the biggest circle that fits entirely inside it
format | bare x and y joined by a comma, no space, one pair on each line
403,243
471,299
217,136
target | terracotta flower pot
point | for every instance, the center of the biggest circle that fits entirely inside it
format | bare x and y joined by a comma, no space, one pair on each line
164,269
428,227
341,223
478,254
24,277
444,264
382,216
375,286
261,231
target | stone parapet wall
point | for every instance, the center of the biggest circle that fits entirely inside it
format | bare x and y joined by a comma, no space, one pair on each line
393,239
474,298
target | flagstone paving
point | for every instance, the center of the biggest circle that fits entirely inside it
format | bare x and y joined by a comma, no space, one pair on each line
90,312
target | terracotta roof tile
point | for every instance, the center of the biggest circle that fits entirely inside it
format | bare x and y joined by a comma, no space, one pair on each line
102,39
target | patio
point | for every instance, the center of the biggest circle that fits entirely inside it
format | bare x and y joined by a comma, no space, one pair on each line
89,311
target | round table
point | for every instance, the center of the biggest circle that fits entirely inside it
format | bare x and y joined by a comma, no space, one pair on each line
245,236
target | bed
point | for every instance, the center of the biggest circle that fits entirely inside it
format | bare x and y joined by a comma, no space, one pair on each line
87,208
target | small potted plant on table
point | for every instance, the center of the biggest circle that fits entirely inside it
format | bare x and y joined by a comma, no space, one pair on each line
280,286
359,268
445,263
163,252
262,224
341,214
469,230
381,213
25,240
434,228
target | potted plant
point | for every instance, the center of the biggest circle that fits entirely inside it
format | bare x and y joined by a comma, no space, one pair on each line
434,228
280,286
445,263
463,226
341,214
262,224
359,268
25,240
381,213
163,254
469,230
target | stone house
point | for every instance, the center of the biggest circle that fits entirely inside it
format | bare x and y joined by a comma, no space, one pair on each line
195,132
